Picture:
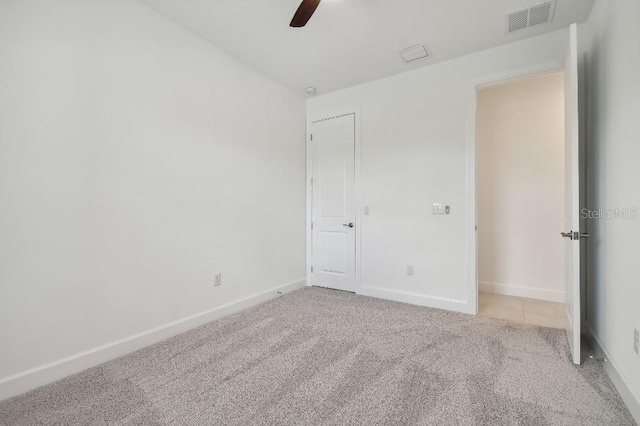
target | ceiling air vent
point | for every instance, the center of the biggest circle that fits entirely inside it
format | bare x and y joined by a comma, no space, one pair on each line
530,17
413,53
518,20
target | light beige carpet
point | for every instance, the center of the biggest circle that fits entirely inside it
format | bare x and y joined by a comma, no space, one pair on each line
323,357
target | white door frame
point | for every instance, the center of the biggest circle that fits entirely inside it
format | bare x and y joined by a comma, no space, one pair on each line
472,235
355,111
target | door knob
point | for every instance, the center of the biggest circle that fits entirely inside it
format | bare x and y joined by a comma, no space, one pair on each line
574,235
348,225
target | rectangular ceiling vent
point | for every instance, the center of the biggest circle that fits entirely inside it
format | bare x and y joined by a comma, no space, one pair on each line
532,16
413,53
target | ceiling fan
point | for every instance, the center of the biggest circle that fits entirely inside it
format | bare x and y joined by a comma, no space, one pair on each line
304,13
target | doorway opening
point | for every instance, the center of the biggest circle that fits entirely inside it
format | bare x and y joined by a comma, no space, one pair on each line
520,190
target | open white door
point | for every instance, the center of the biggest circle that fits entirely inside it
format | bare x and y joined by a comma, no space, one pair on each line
572,196
333,218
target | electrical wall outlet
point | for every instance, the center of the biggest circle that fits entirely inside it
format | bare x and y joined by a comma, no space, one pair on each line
409,269
636,341
438,208
217,280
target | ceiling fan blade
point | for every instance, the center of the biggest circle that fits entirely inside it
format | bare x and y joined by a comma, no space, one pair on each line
304,13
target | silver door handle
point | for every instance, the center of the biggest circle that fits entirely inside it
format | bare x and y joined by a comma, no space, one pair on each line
348,225
574,235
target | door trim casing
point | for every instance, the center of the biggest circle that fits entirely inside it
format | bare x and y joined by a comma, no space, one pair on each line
355,111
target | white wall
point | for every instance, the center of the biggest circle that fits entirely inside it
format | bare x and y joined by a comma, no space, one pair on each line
613,137
416,148
136,160
520,187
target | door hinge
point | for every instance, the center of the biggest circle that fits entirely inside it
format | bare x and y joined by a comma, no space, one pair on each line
576,235
311,225
311,137
311,180
312,269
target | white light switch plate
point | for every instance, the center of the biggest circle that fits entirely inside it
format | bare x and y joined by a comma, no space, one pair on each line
438,208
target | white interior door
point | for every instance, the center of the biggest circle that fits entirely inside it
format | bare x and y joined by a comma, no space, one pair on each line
333,203
572,196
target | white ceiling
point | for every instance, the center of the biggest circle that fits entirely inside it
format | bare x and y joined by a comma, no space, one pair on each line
348,42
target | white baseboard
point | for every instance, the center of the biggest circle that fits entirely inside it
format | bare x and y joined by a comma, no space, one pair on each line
417,299
521,291
48,373
631,400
